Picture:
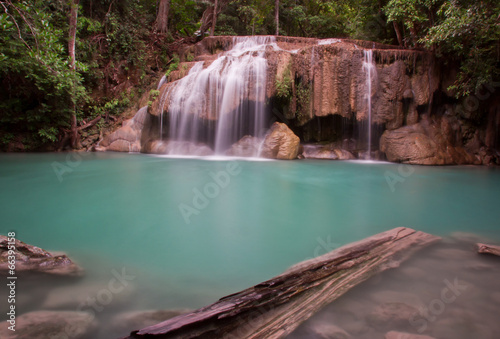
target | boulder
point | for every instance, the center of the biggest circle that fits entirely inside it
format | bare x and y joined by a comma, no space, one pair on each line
404,335
329,331
77,296
49,324
280,143
391,315
326,152
465,325
34,259
177,147
429,142
247,146
127,321
488,249
128,137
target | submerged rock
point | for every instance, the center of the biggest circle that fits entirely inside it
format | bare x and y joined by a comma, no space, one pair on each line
178,148
77,296
488,249
247,146
326,152
404,335
128,321
329,331
280,143
49,324
391,315
34,259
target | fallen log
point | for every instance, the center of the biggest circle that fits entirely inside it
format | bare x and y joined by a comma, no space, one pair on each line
274,308
90,123
489,249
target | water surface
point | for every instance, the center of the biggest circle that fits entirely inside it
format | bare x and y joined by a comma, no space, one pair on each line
113,212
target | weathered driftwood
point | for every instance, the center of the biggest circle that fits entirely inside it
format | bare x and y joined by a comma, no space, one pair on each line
490,249
274,308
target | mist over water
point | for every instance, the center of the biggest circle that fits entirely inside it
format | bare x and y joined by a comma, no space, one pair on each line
114,212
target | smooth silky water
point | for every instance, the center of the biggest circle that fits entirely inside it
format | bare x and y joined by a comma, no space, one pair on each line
120,213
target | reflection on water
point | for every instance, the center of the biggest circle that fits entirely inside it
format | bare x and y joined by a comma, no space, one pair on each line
114,212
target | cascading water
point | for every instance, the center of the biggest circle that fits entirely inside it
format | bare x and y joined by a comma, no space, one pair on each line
221,103
370,73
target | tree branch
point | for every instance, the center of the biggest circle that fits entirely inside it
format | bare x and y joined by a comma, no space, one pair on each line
90,123
15,23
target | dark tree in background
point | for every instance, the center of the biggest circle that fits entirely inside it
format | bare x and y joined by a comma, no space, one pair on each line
162,16
214,18
73,22
277,16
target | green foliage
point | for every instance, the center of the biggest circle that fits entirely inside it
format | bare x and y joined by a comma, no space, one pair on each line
153,94
469,31
173,66
184,16
117,48
303,93
39,86
463,31
284,86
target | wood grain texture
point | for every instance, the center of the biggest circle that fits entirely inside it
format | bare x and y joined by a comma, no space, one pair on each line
274,308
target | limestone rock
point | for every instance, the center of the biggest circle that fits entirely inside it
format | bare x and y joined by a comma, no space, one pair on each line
489,249
34,259
127,321
404,335
329,331
280,143
77,296
326,152
391,315
247,146
429,142
49,324
468,325
128,137
389,296
177,147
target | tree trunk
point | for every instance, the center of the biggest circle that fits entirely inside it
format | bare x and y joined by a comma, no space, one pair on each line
162,16
413,34
277,16
73,19
398,33
274,308
214,18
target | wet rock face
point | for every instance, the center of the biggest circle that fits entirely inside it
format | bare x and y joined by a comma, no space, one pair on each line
247,146
404,335
430,142
325,92
34,259
51,324
177,147
280,143
128,137
326,152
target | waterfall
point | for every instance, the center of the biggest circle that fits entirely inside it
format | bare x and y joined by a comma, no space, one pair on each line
222,102
163,80
370,73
